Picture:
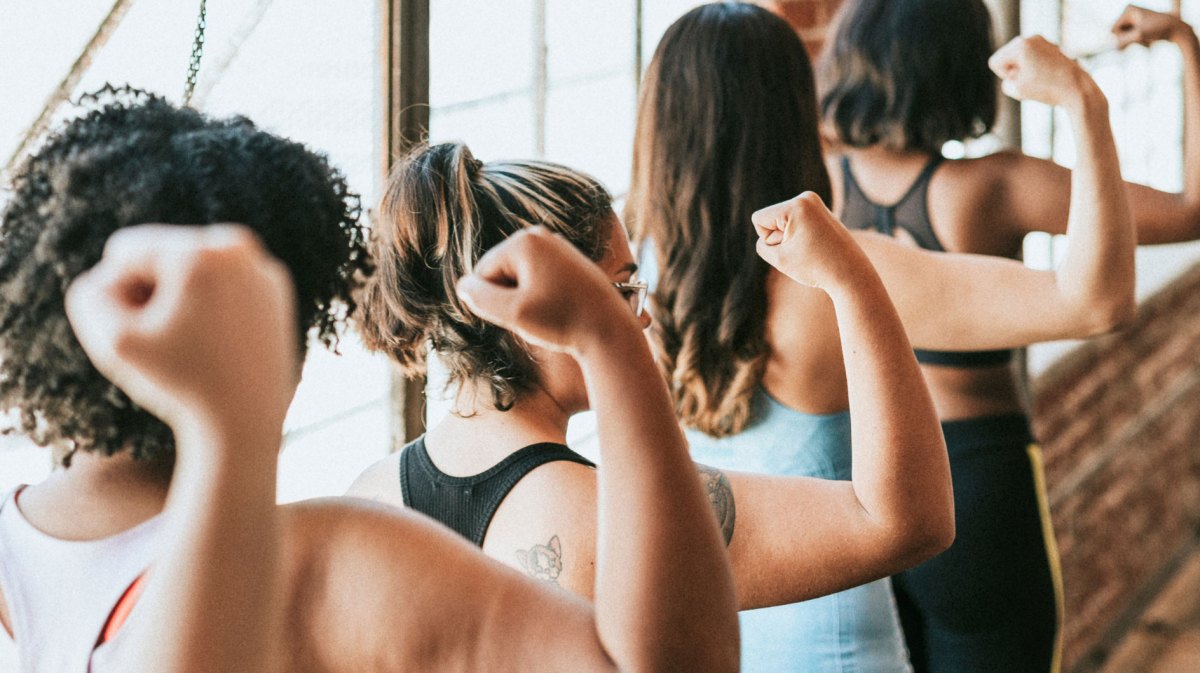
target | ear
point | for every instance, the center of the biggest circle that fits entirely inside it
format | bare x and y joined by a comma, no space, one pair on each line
523,557
556,546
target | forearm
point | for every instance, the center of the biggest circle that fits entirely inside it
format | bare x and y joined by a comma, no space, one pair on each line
1096,276
664,596
1189,47
901,473
212,600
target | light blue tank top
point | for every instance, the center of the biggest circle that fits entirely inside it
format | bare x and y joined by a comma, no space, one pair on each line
855,631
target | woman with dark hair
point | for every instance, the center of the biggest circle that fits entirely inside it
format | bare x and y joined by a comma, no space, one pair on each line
497,470
900,78
727,122
157,546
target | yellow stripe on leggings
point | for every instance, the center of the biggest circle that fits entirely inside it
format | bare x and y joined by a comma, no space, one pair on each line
1039,484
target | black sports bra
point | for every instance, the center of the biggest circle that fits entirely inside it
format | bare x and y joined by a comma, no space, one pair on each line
910,214
467,504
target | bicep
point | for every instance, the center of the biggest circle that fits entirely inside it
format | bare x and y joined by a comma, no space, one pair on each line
1162,217
1035,195
799,538
954,301
1038,195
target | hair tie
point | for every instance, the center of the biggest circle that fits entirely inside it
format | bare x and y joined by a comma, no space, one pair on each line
474,166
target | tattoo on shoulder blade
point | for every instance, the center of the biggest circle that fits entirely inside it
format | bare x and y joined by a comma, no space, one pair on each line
720,496
543,561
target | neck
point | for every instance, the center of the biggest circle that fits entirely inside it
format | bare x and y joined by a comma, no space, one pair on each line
97,496
879,151
477,435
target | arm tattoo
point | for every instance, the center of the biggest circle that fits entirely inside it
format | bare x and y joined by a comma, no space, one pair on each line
720,496
543,561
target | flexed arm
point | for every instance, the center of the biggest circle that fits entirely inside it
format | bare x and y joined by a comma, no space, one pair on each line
1158,216
663,593
966,302
1161,217
798,538
196,325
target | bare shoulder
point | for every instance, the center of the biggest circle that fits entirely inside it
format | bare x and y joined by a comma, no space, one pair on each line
972,204
546,527
375,588
380,482
363,583
1005,169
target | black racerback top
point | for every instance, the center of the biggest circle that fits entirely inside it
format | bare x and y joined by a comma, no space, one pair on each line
910,214
467,504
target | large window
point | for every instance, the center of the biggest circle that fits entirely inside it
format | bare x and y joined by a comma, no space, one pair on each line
307,70
554,79
1145,97
547,79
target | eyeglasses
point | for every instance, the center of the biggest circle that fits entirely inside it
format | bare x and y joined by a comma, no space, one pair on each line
635,294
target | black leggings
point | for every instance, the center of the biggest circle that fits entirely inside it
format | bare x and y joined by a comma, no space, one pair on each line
989,603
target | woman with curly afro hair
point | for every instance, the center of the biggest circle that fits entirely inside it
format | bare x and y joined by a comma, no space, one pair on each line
161,357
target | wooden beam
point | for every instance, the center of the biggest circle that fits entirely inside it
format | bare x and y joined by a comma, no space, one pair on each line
1007,17
405,46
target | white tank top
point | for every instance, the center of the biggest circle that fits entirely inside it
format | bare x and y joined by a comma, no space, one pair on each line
60,593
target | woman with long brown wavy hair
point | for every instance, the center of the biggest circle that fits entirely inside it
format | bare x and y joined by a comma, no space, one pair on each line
727,123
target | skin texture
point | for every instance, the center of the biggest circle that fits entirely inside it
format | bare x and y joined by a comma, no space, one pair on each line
896,512
987,205
346,586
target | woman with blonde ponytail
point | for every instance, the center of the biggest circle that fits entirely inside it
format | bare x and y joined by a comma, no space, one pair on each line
497,469
764,370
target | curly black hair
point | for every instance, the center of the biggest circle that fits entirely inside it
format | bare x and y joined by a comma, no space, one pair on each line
129,157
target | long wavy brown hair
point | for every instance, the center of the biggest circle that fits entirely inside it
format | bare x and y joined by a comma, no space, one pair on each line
727,124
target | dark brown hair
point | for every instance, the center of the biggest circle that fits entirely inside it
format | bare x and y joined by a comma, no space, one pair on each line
727,124
129,158
909,74
441,211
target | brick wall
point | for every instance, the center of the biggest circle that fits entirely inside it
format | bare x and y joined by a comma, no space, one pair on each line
1119,422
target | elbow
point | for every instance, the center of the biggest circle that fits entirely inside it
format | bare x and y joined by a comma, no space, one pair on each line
924,538
932,538
1111,315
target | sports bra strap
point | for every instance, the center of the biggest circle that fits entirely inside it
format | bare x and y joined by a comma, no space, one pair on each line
467,504
918,185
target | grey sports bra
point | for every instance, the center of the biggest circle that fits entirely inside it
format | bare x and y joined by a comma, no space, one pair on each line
910,214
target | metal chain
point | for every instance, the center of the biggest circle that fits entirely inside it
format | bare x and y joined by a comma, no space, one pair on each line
197,51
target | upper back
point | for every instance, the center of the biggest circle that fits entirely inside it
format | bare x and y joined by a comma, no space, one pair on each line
373,588
957,205
467,504
60,594
804,369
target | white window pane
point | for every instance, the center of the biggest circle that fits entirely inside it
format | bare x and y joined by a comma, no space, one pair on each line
21,462
502,129
38,43
589,126
479,50
326,458
586,38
